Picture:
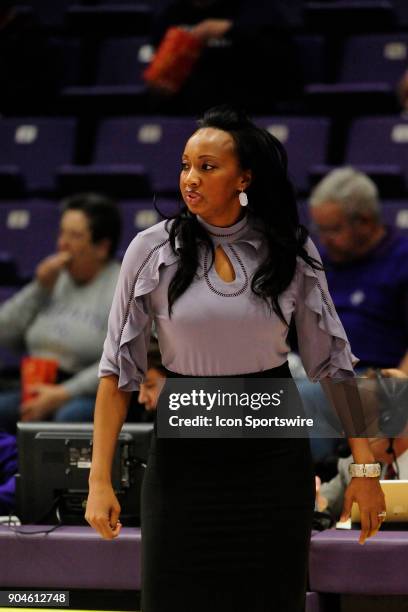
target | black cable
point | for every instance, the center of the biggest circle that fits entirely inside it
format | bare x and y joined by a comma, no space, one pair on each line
9,524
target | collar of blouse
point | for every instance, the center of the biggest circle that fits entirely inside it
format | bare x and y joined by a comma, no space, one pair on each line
241,231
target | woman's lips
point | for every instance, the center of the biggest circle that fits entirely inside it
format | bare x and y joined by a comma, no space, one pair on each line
193,197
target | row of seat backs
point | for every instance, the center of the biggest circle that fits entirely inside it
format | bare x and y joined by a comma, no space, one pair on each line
147,150
28,229
119,62
53,13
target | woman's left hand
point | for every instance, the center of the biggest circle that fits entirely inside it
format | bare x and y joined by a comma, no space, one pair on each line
368,494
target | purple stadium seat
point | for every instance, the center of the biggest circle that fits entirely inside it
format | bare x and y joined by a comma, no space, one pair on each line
122,61
306,141
370,69
31,149
350,15
119,66
109,17
69,50
142,146
313,57
49,12
379,144
139,215
28,231
401,11
396,214
375,59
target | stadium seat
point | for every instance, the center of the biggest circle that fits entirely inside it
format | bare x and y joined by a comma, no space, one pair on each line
139,215
379,146
129,151
401,12
119,66
28,232
370,68
111,17
30,151
306,141
313,57
375,59
395,214
49,12
350,15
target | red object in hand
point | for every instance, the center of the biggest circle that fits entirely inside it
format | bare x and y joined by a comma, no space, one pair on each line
174,60
34,371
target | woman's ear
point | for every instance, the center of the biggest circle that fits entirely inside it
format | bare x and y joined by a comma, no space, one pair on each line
246,179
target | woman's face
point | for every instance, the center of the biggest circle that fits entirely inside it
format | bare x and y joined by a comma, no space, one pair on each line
75,238
211,177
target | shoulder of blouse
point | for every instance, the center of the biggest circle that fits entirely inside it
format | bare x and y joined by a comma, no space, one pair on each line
149,249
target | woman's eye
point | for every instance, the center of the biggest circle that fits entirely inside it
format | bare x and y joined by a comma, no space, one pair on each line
184,165
208,166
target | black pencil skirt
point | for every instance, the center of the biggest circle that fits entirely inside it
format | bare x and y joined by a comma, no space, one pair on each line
226,523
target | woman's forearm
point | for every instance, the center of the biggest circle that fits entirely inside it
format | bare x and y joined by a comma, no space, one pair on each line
361,450
110,413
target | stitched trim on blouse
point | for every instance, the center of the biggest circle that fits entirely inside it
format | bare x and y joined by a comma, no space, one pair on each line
228,235
324,297
145,261
220,293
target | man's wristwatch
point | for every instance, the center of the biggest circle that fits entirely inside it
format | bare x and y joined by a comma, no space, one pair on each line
365,470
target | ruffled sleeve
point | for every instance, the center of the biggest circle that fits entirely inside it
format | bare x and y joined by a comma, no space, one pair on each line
323,344
129,325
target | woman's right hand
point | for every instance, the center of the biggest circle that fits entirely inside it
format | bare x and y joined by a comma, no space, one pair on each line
49,268
103,510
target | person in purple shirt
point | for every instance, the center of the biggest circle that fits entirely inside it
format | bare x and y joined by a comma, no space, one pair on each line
8,469
226,522
366,265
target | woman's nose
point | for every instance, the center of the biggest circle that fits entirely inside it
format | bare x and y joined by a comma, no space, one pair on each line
192,179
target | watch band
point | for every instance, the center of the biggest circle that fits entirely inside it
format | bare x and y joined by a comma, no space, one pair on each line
365,470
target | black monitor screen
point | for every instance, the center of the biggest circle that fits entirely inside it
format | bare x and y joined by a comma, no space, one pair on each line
54,463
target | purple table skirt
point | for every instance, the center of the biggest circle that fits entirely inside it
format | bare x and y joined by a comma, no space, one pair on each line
339,564
69,557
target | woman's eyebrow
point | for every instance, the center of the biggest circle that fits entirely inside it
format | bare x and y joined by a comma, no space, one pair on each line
207,155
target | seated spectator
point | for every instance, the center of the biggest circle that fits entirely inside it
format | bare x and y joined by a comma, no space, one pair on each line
391,453
8,469
153,383
366,267
248,52
367,274
63,313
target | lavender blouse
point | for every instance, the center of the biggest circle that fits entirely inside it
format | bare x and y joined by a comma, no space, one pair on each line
218,328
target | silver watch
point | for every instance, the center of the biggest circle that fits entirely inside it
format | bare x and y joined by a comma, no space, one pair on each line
365,470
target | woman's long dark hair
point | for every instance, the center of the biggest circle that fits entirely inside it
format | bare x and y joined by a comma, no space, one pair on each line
272,204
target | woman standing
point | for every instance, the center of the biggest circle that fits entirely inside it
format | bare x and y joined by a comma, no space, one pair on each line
226,522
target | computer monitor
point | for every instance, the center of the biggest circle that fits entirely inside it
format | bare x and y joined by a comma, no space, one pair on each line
54,463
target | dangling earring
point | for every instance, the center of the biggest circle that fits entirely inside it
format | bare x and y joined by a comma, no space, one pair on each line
243,198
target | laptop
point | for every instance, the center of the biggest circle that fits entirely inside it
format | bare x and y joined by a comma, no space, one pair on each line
396,500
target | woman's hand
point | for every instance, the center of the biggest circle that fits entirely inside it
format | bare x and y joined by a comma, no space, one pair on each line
367,493
103,510
49,269
48,398
211,28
